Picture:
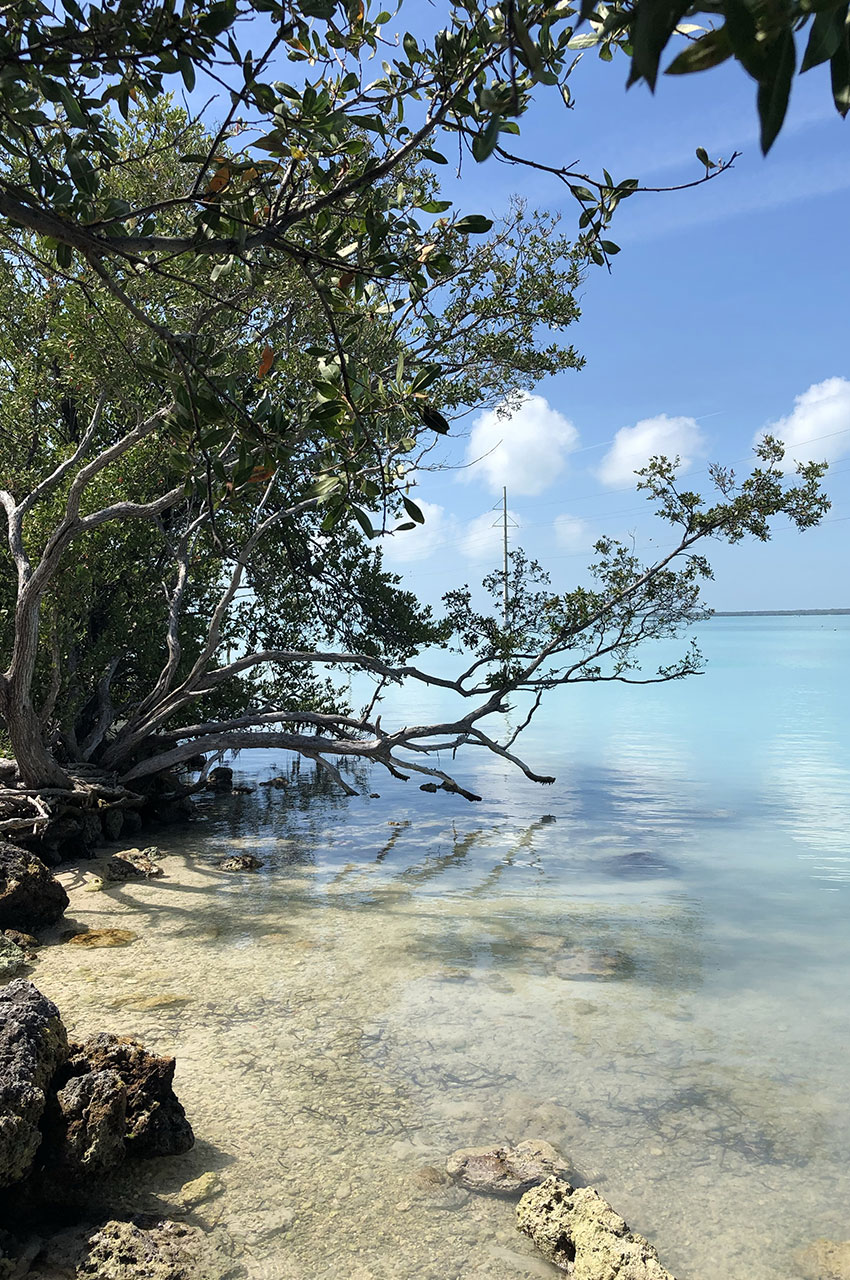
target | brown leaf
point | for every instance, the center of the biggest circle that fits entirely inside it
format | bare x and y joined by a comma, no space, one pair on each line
266,362
219,180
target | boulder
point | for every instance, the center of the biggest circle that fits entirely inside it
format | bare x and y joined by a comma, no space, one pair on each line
145,1248
579,1232
113,823
86,1126
134,864
220,779
242,862
506,1171
30,897
156,1122
33,1045
12,958
132,822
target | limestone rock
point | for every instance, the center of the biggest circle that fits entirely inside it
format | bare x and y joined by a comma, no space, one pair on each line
200,1190
825,1260
579,1232
156,1121
29,894
134,864
221,779
145,1248
25,941
506,1171
89,1124
12,958
242,862
33,1045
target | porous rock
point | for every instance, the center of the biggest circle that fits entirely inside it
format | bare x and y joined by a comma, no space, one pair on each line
87,1125
242,862
156,1122
33,1045
579,1232
220,779
506,1171
134,864
113,823
12,958
30,897
145,1248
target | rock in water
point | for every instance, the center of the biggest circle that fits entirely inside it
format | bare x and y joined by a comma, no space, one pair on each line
89,1116
243,862
134,864
825,1260
29,895
506,1171
221,779
144,1249
33,1045
156,1121
12,958
580,1233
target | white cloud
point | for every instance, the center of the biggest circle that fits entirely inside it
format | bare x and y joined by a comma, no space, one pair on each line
572,533
525,449
481,540
818,427
439,530
634,446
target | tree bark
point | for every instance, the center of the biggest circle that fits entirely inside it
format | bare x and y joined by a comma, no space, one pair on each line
36,766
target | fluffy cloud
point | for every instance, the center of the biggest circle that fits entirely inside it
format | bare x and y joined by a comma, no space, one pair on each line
634,446
572,533
412,545
818,427
525,450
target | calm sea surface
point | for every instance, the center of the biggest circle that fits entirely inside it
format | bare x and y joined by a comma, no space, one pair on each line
647,964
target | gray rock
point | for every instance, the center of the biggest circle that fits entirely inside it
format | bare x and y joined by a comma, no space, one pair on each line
134,864
113,823
90,1125
12,958
220,779
243,862
29,894
33,1045
156,1122
579,1232
132,822
144,1249
506,1171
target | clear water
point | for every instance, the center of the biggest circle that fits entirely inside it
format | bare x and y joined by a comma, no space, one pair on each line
646,964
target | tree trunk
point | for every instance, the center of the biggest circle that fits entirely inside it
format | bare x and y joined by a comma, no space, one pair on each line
36,766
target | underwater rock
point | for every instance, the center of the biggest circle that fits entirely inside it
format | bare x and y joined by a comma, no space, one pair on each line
279,782
242,862
146,1248
29,895
12,958
33,1044
593,966
200,1190
579,1232
134,864
242,789
825,1260
102,938
156,1121
220,779
506,1171
86,1126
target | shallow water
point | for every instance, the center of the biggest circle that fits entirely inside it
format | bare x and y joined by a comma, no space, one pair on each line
646,964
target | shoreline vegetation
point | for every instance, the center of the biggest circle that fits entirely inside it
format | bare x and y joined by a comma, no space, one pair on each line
779,613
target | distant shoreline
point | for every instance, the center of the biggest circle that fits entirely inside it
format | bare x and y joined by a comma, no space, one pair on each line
778,613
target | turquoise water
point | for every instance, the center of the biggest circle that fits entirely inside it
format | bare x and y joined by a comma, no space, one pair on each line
646,964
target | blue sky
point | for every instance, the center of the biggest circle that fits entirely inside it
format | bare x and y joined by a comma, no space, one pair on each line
724,314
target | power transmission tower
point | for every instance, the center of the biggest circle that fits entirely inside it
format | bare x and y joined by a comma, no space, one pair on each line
506,523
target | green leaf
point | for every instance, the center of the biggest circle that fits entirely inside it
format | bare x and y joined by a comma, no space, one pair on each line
774,92
709,51
434,420
412,510
436,156
654,24
484,143
840,74
825,37
474,224
364,521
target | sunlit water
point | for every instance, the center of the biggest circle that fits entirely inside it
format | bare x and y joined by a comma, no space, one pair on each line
646,964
